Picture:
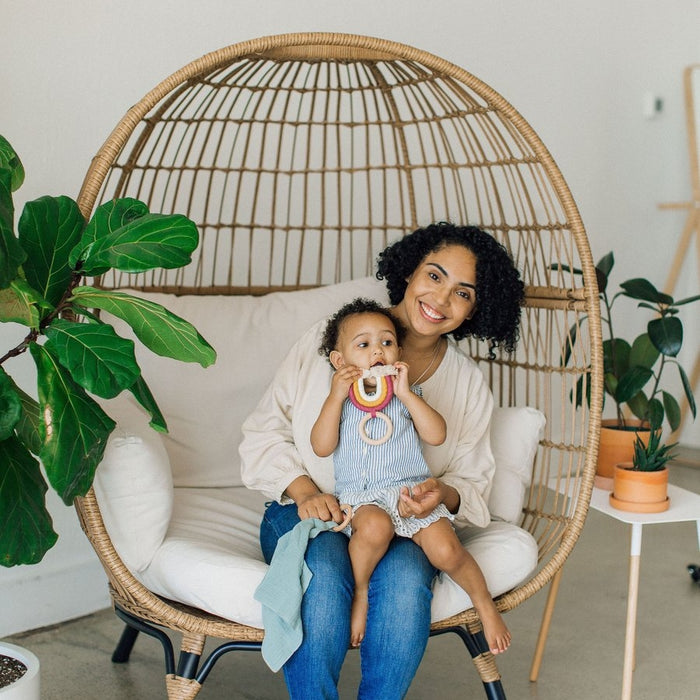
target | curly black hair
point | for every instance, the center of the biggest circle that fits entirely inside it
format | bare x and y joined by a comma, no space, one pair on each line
329,341
499,289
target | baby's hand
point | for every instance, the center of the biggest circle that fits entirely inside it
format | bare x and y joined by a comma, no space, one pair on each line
401,385
343,379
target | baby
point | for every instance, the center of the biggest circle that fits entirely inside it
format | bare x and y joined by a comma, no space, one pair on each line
373,424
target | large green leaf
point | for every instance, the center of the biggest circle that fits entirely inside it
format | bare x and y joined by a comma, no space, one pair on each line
108,217
157,328
12,255
26,530
10,406
97,358
28,426
673,410
49,228
21,303
632,382
666,334
643,352
153,240
144,396
643,290
639,405
616,356
74,429
10,160
687,388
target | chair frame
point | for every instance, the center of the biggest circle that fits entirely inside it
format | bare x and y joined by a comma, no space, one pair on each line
556,521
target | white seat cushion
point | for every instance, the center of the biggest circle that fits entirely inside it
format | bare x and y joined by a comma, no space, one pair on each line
211,559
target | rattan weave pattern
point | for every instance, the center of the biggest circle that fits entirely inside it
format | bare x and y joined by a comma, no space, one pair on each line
301,156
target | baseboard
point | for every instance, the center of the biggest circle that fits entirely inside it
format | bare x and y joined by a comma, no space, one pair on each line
49,597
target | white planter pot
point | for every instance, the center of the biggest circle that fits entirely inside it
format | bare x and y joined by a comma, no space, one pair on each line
28,686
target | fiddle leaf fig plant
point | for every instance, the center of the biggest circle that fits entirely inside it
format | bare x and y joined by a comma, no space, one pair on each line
77,355
633,371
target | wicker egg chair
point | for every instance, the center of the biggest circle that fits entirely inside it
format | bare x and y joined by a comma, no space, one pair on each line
301,156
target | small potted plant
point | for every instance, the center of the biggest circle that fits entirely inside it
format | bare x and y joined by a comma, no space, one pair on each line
633,372
45,270
642,485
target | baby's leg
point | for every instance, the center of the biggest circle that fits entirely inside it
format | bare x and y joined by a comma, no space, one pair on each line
372,531
445,552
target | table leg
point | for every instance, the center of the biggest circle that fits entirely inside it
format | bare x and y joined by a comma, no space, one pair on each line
544,626
632,596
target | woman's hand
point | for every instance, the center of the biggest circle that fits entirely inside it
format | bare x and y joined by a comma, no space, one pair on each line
323,506
425,497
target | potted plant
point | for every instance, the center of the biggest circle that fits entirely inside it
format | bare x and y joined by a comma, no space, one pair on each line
19,673
642,485
633,372
44,272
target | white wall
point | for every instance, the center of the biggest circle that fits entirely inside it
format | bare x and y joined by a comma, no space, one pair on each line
578,72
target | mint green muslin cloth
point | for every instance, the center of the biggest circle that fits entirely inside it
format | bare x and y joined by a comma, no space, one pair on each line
282,589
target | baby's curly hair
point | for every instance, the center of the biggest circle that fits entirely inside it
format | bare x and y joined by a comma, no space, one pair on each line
329,341
499,289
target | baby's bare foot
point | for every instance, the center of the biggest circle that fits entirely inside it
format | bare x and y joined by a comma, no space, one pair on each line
497,634
358,617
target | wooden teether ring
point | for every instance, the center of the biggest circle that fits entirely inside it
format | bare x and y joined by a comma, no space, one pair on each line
347,509
362,428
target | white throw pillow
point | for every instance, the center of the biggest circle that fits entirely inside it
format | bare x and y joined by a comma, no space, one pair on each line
515,435
205,408
134,486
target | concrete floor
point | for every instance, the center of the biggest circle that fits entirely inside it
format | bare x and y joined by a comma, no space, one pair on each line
583,659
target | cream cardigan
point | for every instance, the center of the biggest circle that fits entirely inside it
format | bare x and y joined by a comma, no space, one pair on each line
276,448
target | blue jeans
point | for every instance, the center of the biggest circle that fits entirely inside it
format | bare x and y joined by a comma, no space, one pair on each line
398,622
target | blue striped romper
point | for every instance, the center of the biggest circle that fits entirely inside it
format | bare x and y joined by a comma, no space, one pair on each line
375,474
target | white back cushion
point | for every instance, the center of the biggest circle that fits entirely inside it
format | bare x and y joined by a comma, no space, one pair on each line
204,408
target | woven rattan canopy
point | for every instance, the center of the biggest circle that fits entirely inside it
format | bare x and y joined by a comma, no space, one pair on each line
301,156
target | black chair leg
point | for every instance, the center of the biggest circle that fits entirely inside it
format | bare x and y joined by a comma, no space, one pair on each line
125,645
476,645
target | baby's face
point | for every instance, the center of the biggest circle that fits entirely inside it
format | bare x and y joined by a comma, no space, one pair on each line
366,340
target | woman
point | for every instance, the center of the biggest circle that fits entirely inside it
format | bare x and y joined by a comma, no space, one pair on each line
445,282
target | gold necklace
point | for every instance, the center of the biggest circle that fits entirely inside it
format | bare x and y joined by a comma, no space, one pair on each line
432,362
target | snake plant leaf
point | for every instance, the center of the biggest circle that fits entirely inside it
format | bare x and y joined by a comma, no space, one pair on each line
97,358
673,410
158,329
150,241
643,352
666,333
12,255
687,388
74,429
643,290
108,217
21,303
631,382
49,228
26,529
10,406
10,160
143,395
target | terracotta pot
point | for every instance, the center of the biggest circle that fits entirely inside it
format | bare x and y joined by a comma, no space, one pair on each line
639,492
616,446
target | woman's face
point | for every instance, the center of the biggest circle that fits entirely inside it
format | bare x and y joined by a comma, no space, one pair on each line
441,292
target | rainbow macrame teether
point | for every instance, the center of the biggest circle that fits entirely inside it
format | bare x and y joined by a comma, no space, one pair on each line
373,402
